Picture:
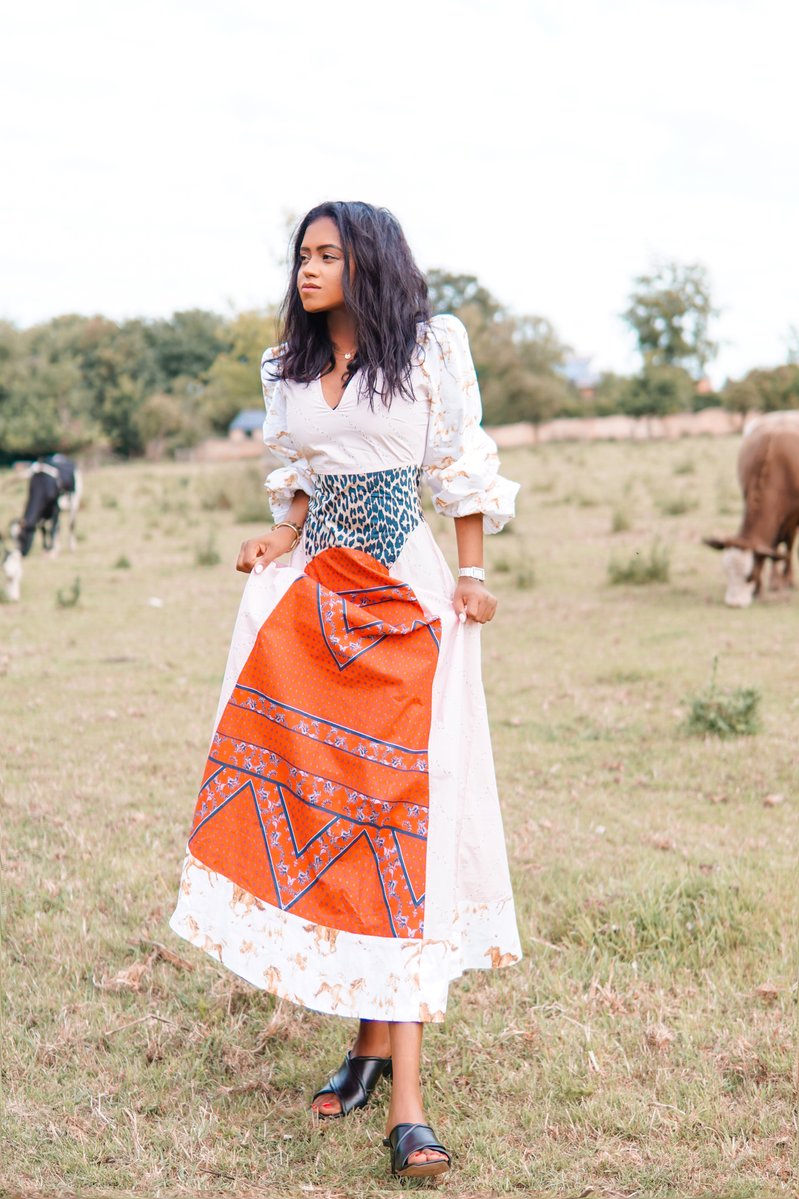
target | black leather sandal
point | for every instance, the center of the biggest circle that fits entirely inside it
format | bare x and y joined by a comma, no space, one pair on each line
353,1083
407,1139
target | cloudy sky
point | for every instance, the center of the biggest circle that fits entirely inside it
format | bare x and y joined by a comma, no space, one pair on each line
153,153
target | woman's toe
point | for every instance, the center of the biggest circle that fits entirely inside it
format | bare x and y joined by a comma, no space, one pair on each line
425,1155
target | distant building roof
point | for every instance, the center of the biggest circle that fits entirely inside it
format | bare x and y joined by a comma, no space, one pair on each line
247,421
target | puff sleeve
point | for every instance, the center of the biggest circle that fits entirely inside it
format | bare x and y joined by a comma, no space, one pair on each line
460,460
294,474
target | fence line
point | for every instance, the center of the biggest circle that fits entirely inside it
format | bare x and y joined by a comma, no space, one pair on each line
710,422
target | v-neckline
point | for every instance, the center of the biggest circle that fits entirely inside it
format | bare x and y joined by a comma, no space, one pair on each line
330,407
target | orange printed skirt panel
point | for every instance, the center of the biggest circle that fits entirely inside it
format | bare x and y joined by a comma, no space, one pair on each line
315,794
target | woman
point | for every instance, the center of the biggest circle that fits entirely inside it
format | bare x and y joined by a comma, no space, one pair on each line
347,849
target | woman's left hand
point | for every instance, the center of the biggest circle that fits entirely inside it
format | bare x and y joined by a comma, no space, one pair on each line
474,600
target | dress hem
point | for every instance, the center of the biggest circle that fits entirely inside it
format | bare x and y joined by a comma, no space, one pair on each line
333,972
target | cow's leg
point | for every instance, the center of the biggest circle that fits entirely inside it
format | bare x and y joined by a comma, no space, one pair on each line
777,576
53,530
757,574
791,542
25,538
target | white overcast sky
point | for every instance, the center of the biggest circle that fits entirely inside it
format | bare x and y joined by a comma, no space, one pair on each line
150,153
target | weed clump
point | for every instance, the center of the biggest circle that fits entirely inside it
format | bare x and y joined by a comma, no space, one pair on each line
238,489
724,712
67,597
206,553
122,562
251,509
686,466
677,505
620,522
641,569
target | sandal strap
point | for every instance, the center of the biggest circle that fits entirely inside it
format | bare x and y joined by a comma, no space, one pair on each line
355,1080
407,1139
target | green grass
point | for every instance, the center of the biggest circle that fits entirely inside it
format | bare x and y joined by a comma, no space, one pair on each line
621,521
646,1043
641,569
206,552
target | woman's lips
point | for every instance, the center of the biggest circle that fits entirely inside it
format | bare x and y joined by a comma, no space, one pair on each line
310,287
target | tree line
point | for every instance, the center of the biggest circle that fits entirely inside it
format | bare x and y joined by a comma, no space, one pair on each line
163,385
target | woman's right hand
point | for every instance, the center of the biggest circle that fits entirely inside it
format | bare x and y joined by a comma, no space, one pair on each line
258,552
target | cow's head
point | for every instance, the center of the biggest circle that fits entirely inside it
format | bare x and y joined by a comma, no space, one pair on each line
742,563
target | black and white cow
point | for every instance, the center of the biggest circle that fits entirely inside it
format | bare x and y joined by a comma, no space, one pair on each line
54,484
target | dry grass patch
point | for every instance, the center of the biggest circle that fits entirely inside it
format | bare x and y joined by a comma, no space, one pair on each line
644,1045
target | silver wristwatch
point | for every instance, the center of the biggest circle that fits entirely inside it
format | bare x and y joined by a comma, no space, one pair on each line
472,572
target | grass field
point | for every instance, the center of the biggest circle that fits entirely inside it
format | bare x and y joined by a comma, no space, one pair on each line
645,1045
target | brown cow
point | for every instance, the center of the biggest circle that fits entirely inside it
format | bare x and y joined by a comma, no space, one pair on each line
768,472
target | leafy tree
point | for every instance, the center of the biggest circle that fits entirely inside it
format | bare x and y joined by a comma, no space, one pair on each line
187,344
234,378
764,390
670,312
611,393
169,421
452,293
516,356
516,360
658,391
43,404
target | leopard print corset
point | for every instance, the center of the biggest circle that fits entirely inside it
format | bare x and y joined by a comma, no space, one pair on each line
374,512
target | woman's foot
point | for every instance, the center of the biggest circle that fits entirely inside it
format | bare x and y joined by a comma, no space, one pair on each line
411,1113
372,1041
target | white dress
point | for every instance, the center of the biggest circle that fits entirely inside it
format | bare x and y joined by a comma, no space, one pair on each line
347,850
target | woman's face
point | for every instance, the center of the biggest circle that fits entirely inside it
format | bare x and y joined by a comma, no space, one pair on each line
320,277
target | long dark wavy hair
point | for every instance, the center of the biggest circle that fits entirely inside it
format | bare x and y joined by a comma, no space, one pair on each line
386,294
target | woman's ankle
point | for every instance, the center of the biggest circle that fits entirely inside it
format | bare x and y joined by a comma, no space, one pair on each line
372,1040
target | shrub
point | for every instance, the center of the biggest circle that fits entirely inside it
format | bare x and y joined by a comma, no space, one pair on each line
252,509
122,563
67,597
621,521
724,712
206,553
239,489
676,505
686,467
640,570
